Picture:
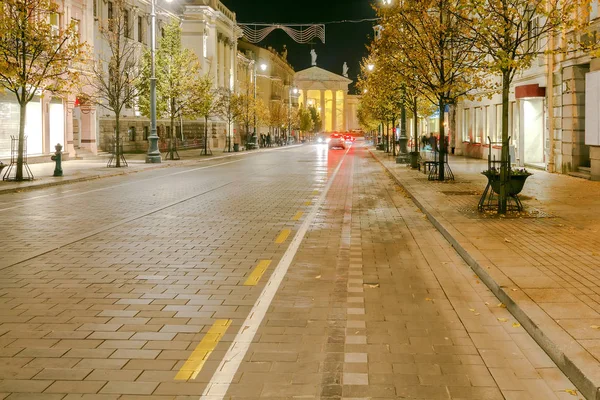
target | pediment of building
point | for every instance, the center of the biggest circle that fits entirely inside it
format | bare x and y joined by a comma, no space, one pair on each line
316,74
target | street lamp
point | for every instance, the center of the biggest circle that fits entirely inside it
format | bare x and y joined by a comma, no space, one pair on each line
371,67
293,90
263,67
153,155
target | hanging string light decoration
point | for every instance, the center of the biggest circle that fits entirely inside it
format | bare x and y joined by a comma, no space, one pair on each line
303,34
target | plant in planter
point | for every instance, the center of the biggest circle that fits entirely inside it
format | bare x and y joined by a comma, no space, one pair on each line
514,185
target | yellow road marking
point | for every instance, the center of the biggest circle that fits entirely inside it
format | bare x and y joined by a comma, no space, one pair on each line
316,191
308,203
282,236
298,216
257,273
196,360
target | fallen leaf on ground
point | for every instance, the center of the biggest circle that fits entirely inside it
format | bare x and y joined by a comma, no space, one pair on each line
502,319
472,309
516,325
476,314
595,327
318,277
428,299
514,290
572,392
507,241
501,305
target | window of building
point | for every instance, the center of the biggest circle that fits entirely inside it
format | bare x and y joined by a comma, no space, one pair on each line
131,133
498,136
140,29
126,25
466,125
77,25
110,15
593,10
55,23
146,132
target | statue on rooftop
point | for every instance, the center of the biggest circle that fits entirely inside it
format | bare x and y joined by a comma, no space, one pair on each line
313,55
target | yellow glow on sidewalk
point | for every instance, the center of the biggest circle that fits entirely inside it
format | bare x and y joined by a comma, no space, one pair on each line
196,360
257,273
283,236
298,216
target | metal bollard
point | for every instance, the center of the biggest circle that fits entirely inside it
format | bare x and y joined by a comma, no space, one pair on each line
58,158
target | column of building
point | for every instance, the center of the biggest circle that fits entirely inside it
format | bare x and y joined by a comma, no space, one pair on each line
333,111
322,111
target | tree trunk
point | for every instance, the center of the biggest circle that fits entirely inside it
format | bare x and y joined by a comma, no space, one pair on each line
453,126
442,143
504,156
117,141
394,137
229,137
415,125
20,155
206,135
172,139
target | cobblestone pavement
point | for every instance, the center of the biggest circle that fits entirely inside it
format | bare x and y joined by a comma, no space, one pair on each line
159,285
544,262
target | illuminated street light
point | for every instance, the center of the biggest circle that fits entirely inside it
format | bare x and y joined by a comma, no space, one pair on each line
263,67
371,67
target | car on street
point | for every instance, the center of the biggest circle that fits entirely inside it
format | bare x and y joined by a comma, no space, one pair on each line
349,138
336,140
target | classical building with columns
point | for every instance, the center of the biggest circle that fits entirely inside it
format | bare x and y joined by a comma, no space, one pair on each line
328,92
210,30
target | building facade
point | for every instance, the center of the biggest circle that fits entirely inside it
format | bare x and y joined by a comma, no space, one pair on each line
50,120
274,80
553,115
328,92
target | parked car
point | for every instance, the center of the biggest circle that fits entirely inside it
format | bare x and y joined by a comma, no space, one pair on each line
349,138
337,141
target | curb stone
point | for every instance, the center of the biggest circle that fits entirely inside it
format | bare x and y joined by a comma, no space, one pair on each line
589,389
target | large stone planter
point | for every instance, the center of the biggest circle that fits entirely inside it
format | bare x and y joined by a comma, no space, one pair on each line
514,185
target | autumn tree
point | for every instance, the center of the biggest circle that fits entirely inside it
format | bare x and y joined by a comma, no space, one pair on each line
206,102
510,34
277,117
177,79
38,54
433,40
247,105
315,116
305,121
229,108
117,74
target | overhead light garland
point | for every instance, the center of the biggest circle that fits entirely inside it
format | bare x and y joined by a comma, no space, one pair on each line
301,33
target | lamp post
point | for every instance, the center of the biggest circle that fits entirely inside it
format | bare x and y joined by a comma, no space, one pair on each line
290,91
263,67
153,155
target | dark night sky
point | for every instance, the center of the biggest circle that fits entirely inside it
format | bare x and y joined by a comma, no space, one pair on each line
343,42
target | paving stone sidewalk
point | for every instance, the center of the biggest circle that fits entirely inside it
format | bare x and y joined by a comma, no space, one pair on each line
544,264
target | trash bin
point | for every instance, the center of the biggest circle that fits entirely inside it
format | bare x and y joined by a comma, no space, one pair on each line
236,147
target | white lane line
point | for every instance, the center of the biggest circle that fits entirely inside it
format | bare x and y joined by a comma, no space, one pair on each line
120,185
148,179
229,365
